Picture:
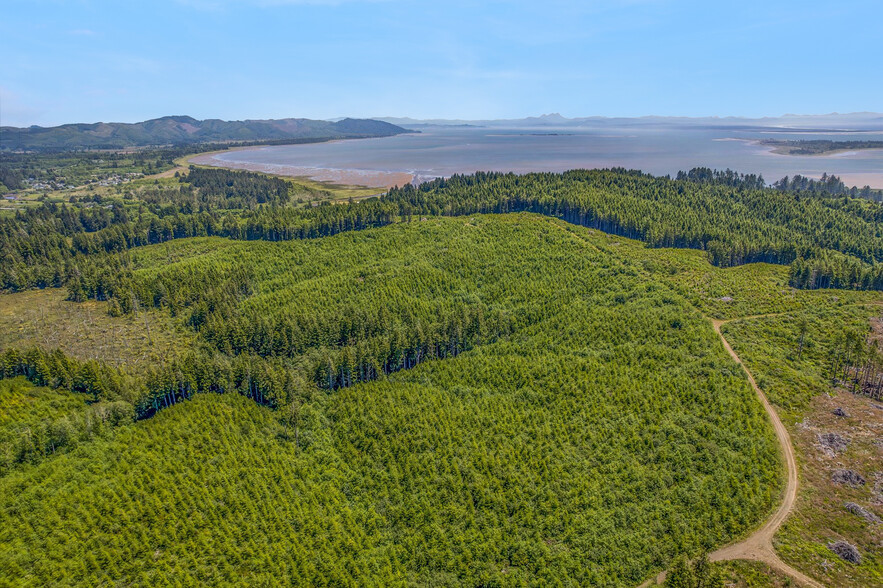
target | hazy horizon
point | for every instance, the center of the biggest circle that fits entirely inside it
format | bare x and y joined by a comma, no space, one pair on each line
430,119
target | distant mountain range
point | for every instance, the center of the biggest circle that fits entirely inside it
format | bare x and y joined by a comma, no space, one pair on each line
858,121
184,130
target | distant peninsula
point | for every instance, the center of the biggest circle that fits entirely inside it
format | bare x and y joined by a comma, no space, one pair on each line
818,147
186,130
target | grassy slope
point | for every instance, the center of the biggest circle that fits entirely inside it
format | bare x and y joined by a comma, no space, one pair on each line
733,292
85,330
609,433
751,574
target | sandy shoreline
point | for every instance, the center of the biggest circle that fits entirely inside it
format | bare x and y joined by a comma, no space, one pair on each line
858,179
863,179
341,177
831,153
784,150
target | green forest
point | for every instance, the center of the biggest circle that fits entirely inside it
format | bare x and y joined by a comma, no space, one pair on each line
828,242
485,380
819,146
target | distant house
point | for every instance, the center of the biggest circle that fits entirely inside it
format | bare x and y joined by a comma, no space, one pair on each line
10,197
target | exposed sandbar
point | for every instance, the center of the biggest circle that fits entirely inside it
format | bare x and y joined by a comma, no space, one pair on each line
342,177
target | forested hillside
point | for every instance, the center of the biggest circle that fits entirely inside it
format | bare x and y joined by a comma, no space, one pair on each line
578,420
483,380
828,242
178,130
836,243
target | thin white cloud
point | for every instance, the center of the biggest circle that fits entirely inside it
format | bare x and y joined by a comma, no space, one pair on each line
82,32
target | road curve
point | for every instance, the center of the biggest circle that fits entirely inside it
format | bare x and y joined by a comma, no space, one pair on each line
759,545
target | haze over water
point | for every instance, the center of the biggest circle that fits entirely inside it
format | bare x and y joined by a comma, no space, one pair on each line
660,150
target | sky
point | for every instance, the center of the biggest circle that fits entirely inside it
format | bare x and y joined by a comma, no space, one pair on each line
87,61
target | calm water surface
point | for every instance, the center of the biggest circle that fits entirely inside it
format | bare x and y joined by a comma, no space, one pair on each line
663,150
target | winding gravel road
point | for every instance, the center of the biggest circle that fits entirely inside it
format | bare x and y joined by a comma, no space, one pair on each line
759,545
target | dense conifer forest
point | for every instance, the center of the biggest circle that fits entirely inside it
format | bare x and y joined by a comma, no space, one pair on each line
503,339
829,242
483,380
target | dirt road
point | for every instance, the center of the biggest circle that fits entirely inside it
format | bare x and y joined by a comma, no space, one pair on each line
759,546
170,173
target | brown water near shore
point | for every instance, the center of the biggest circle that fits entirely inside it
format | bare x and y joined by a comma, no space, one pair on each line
861,180
341,177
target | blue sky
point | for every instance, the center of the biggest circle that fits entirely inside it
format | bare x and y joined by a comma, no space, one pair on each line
85,61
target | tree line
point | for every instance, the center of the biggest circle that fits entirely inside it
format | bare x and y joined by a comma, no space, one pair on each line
826,186
722,213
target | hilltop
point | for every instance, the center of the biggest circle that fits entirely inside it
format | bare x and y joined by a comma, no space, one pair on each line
184,130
